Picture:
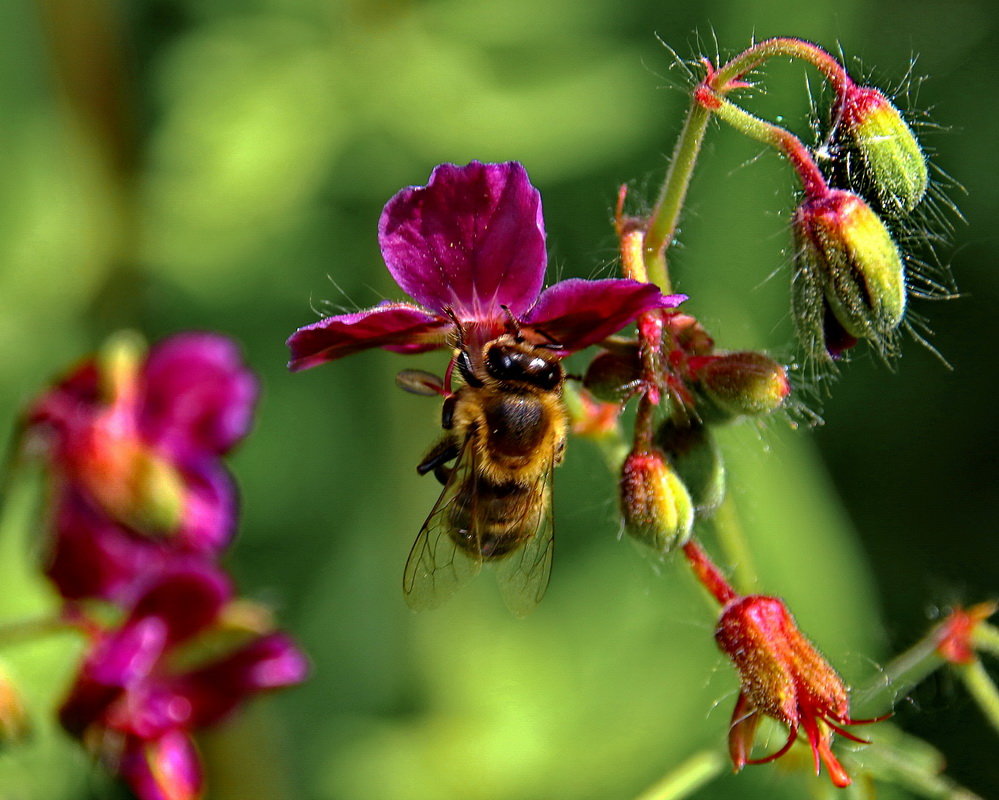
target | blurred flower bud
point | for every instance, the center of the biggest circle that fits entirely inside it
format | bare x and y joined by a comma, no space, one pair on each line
877,154
737,384
655,504
847,266
689,334
697,459
613,375
13,717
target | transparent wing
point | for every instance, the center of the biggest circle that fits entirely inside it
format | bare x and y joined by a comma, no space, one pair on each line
523,575
437,566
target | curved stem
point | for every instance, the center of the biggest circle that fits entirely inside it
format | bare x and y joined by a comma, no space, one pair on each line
780,138
790,47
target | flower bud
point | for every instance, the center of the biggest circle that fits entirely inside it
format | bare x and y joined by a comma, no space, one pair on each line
613,375
655,504
697,459
131,482
877,153
740,384
784,677
847,267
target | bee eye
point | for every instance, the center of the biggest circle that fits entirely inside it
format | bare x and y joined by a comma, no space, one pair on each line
503,365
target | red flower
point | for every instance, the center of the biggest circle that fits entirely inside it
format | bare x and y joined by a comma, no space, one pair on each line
137,707
469,247
135,444
784,677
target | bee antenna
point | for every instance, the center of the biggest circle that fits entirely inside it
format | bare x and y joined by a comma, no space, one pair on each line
458,329
512,323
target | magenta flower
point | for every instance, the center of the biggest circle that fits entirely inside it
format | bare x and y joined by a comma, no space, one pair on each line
137,709
135,445
469,247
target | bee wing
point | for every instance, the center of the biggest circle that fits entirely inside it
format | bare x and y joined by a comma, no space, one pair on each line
523,576
437,567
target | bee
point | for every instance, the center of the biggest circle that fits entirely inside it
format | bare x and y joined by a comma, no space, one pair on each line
504,431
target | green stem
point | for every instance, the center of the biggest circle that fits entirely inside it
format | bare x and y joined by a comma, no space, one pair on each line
982,688
732,538
985,637
902,673
697,771
30,629
780,138
666,212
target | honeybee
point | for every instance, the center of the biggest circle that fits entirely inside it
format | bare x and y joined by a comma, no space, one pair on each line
504,431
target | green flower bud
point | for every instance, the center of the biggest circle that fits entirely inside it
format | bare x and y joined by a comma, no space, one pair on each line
847,267
655,504
697,459
877,153
740,384
612,375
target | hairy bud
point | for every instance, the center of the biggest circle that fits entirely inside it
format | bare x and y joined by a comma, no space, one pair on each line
848,267
740,384
877,153
655,504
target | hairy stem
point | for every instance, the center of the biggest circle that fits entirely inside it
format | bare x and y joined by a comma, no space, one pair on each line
708,574
666,212
780,138
788,47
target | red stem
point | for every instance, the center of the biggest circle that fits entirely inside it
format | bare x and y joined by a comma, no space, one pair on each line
708,574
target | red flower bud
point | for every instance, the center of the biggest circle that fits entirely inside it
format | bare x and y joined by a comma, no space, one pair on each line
655,504
784,677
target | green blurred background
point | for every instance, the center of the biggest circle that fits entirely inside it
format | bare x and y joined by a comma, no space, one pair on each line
221,164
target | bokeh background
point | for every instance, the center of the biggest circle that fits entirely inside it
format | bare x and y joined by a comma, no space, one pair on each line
221,164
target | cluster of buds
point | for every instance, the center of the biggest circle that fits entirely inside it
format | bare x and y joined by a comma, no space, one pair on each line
141,508
849,279
675,473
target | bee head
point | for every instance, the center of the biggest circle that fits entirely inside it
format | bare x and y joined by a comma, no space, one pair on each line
507,359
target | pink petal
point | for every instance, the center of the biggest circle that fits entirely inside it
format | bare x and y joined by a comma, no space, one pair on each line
399,327
93,556
198,394
215,690
166,768
471,240
577,313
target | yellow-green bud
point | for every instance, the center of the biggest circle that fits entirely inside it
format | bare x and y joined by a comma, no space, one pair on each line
740,384
697,459
612,375
877,153
655,504
847,263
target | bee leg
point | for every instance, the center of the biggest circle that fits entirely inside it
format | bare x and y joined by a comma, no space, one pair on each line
445,450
